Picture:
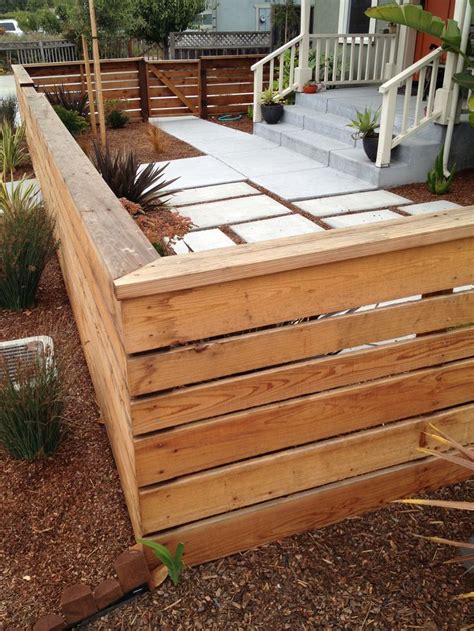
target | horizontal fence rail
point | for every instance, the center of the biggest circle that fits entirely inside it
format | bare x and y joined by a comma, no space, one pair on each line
209,86
235,427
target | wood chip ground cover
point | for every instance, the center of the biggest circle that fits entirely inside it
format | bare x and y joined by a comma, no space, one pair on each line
64,520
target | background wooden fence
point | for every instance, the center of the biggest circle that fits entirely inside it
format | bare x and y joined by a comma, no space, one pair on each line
234,417
204,87
197,44
37,51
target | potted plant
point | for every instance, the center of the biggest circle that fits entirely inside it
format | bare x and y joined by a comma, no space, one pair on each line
310,87
366,123
272,106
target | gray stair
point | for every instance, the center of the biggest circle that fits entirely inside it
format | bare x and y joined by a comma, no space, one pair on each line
316,127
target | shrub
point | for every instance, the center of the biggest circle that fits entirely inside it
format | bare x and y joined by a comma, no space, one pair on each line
27,242
73,121
8,110
123,172
70,101
437,182
31,410
13,150
117,119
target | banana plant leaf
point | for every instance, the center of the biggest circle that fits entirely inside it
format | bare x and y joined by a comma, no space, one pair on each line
423,21
465,79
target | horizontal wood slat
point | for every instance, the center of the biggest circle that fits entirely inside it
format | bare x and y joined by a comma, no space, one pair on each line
260,479
185,405
240,353
233,437
246,528
178,317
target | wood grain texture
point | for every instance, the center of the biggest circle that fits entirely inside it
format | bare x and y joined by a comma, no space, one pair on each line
185,405
233,437
247,528
182,316
206,268
241,353
261,479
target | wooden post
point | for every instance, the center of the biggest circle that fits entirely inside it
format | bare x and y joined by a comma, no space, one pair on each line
97,75
144,89
202,70
90,91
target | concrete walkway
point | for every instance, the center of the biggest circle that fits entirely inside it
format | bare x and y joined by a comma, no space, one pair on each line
278,169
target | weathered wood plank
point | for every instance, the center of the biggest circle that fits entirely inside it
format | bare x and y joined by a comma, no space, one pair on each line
152,372
205,268
260,430
246,528
268,477
195,314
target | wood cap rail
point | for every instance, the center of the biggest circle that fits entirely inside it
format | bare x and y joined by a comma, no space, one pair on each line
227,264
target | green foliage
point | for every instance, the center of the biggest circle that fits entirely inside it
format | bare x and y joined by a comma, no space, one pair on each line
13,149
156,19
437,182
117,119
8,109
71,101
143,185
74,122
174,563
365,123
270,97
31,410
27,242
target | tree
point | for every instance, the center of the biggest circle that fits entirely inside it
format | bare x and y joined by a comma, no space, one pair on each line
156,19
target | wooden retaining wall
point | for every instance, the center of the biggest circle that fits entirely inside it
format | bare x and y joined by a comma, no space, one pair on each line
201,87
233,415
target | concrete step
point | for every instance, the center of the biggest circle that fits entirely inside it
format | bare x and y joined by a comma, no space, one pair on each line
307,143
325,124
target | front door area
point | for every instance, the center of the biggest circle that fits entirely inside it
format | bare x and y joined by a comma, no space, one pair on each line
444,9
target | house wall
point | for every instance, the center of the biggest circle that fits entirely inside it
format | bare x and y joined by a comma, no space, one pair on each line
240,15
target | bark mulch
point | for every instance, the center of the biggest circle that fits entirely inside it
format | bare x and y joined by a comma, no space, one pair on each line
461,193
244,124
134,136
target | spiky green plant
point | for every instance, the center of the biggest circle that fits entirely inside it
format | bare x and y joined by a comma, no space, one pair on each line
174,563
128,178
72,101
365,123
31,410
13,149
27,242
437,182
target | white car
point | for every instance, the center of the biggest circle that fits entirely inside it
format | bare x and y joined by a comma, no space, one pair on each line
11,27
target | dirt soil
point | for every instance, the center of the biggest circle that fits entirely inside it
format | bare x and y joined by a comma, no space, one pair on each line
134,136
64,520
244,124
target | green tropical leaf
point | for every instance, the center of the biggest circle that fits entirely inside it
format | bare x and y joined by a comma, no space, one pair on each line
465,79
174,563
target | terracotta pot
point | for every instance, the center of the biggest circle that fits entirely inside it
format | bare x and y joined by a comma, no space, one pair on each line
272,113
310,89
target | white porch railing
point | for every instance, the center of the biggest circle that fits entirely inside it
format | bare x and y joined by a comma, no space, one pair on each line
265,73
425,71
351,59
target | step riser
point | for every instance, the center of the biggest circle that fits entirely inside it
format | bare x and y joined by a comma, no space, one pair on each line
308,150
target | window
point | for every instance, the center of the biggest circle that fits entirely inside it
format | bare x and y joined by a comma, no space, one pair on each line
352,18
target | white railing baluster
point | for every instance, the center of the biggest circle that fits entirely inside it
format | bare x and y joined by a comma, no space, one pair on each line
376,58
335,59
326,61
384,60
419,95
367,59
281,73
352,61
432,91
406,104
272,74
317,75
360,59
292,66
343,59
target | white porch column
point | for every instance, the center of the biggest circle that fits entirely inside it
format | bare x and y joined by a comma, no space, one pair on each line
406,44
303,72
444,95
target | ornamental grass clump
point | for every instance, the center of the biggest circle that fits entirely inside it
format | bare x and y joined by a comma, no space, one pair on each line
8,110
27,242
13,149
31,409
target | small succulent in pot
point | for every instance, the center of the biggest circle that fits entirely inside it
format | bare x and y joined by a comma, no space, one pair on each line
366,124
310,87
272,106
